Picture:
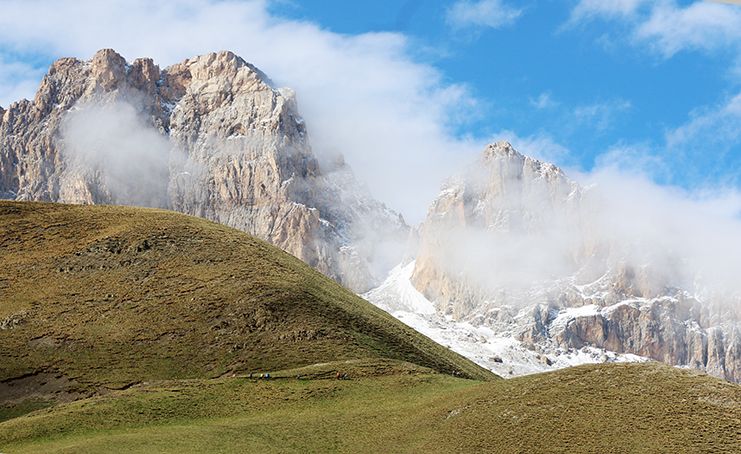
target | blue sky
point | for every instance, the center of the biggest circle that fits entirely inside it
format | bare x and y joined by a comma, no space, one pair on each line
409,90
587,83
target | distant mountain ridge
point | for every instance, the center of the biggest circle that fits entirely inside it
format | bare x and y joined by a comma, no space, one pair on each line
512,245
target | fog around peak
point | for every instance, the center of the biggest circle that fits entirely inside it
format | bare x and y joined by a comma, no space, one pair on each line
112,143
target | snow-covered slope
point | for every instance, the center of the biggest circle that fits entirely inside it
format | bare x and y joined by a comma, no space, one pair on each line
496,349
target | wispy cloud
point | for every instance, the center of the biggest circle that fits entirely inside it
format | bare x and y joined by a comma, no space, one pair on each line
591,9
721,124
600,116
701,25
540,146
129,157
703,150
543,101
634,159
706,148
17,80
667,27
482,14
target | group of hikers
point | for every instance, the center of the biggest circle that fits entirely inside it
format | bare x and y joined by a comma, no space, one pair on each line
266,376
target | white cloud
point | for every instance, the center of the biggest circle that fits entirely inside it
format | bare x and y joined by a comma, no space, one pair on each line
706,148
482,13
543,101
634,159
128,156
601,115
690,238
17,80
589,9
362,95
667,27
702,151
701,25
721,124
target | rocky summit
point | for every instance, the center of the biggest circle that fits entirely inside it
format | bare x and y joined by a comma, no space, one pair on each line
210,136
515,246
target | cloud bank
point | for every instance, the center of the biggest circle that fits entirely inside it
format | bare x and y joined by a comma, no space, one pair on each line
691,240
524,235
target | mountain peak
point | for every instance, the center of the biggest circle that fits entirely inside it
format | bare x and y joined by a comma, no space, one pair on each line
109,67
108,57
219,63
503,153
221,58
255,167
501,148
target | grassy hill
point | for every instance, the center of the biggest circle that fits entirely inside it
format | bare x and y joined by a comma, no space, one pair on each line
95,298
632,408
132,330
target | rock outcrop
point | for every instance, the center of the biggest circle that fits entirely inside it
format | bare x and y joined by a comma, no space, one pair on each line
474,212
210,137
512,245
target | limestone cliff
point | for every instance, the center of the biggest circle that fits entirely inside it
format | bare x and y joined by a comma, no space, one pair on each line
512,244
210,137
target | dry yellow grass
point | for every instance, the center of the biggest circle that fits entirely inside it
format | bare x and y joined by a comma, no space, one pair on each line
103,297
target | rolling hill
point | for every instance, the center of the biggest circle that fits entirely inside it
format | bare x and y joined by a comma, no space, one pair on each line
613,408
95,298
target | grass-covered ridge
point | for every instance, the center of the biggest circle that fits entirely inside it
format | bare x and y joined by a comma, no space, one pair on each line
96,297
615,408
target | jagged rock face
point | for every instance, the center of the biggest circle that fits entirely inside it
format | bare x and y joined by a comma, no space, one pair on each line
475,211
209,137
677,330
511,245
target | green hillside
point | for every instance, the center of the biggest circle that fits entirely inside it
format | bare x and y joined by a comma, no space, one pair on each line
633,408
95,298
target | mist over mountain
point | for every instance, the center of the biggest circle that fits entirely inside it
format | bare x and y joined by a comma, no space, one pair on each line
515,246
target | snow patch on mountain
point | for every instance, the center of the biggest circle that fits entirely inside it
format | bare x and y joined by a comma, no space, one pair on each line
498,351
